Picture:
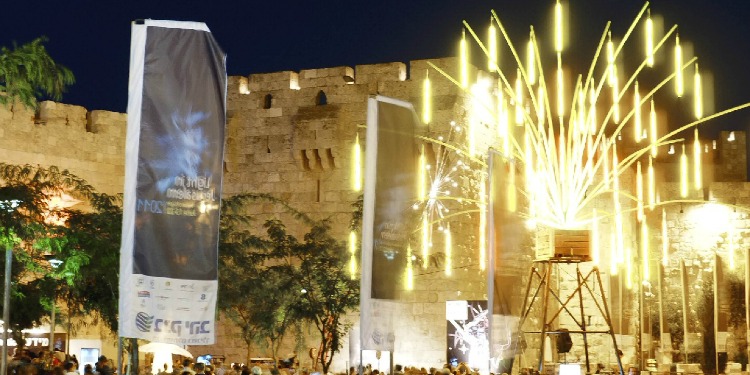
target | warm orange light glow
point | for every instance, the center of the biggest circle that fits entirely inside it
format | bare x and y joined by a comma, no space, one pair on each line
639,190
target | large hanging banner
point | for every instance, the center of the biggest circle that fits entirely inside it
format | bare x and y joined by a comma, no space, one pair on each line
508,263
391,162
173,179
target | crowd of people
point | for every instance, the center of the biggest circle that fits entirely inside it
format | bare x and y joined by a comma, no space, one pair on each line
45,362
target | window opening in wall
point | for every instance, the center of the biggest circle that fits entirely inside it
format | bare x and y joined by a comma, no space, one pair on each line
317,196
267,101
321,98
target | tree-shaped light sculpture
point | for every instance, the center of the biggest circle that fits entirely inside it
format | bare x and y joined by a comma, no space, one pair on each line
564,140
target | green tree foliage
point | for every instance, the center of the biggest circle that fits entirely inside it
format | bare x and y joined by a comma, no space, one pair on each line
273,281
24,196
28,72
90,250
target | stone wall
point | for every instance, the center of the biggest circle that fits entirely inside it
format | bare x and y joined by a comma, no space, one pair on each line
290,134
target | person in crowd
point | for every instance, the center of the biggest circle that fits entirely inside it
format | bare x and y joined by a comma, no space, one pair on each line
103,367
199,368
88,370
70,368
220,368
186,366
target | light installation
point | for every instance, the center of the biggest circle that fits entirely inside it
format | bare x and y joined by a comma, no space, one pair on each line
564,137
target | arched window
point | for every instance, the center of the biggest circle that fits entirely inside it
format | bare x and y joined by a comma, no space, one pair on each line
267,100
321,99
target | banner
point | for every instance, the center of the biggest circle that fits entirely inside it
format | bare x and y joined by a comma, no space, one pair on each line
391,163
468,334
508,263
173,179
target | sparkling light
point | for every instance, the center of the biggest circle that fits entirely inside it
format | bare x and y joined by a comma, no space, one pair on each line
357,165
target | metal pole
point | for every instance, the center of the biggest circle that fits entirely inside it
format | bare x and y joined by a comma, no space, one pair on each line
6,308
52,324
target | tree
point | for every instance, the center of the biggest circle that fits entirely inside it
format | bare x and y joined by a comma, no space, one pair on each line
329,290
25,229
28,72
251,276
89,246
273,281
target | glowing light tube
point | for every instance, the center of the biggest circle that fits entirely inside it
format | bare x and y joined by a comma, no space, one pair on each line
425,240
645,250
698,93
519,98
610,60
482,224
463,51
679,83
664,239
638,131
422,193
697,170
595,239
639,189
649,41
427,99
651,184
558,27
409,279
683,173
356,165
492,36
353,255
531,60
448,250
652,130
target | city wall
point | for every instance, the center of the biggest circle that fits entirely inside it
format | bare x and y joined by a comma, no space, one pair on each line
290,134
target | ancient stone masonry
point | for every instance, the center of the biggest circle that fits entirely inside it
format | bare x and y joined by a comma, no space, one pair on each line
89,144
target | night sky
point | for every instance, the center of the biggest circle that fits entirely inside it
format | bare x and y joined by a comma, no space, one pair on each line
92,38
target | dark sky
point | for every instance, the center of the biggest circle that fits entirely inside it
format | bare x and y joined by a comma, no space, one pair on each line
93,37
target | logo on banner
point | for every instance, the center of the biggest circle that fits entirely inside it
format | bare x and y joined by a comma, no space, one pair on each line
143,321
144,294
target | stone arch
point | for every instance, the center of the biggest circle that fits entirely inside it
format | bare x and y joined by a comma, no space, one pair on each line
321,98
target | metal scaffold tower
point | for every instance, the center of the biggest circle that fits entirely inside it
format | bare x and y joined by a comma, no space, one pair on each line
554,304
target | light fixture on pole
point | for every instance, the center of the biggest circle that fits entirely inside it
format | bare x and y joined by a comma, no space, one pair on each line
54,263
10,206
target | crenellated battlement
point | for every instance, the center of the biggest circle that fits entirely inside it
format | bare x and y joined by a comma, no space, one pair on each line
91,144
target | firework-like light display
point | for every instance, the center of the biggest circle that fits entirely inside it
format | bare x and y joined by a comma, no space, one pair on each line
566,137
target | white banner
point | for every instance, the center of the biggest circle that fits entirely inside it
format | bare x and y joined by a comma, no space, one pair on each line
173,179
